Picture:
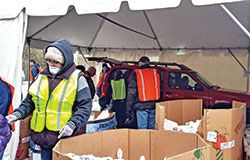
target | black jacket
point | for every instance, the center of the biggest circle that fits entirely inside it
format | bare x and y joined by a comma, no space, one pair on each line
133,102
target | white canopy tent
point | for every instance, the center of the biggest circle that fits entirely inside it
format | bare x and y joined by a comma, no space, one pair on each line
94,24
186,26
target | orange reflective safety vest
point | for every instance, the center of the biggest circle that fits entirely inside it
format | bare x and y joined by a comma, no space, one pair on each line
12,94
99,84
148,83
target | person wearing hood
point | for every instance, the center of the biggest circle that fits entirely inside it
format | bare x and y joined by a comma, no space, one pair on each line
58,99
143,93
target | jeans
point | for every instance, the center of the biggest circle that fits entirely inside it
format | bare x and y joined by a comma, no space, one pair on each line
46,154
146,119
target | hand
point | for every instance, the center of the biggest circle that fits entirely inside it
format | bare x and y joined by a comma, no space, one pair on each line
65,131
129,119
11,118
109,108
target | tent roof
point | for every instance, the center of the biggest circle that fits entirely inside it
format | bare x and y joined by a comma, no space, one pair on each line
186,26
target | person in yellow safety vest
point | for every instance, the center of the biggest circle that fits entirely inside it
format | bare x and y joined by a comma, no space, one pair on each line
143,92
117,91
58,99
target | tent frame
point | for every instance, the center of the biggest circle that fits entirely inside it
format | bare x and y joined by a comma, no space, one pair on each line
104,18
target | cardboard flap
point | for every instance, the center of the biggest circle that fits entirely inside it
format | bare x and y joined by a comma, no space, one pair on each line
237,104
159,116
139,144
91,143
113,140
168,144
180,111
192,110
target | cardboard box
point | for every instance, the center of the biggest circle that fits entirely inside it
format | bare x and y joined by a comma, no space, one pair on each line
223,126
229,124
180,111
24,139
154,145
102,124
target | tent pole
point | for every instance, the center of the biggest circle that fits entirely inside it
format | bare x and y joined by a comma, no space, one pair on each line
152,49
28,41
79,49
151,27
248,68
242,65
45,27
236,20
98,31
58,18
229,50
125,27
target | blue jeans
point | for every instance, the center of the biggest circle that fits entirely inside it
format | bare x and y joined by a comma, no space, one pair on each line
46,154
146,119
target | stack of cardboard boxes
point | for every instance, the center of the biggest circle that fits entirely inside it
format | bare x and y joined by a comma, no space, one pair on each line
219,136
223,129
152,144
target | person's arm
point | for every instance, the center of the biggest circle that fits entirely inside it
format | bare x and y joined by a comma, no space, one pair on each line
131,94
26,107
5,98
82,105
108,95
91,87
34,72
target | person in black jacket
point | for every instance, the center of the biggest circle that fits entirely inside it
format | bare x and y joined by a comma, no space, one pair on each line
143,92
88,75
117,92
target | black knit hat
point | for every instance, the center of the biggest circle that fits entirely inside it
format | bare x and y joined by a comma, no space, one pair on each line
144,59
32,60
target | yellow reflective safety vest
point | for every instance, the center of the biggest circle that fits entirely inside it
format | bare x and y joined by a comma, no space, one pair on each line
54,110
148,84
118,89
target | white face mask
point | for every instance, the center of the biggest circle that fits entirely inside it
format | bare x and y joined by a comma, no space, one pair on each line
54,70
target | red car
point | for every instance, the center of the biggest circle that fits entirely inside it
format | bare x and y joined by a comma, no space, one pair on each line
180,82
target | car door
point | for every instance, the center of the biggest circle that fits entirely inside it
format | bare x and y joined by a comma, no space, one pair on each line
183,85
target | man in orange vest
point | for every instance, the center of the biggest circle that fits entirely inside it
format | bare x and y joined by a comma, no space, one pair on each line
143,92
